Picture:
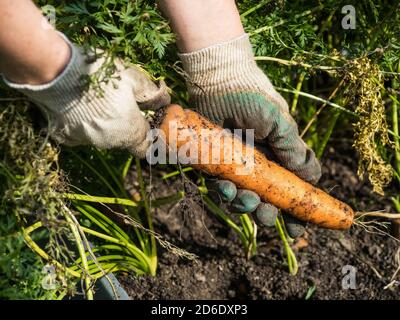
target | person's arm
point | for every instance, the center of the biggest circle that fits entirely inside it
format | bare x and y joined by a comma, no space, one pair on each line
202,23
31,51
44,65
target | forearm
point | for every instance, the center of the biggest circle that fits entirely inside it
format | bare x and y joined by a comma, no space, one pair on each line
30,51
201,23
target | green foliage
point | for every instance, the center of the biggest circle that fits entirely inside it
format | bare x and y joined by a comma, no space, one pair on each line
313,50
21,269
33,197
109,175
30,182
132,30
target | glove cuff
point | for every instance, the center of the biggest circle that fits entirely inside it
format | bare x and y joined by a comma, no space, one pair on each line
224,81
62,95
220,62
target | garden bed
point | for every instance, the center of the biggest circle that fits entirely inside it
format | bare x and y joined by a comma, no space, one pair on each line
222,272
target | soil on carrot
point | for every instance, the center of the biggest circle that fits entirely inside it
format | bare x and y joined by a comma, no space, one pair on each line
326,258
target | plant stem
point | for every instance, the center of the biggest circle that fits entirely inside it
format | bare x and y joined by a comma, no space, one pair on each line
328,69
250,230
304,94
316,114
7,172
99,175
153,249
303,74
125,202
82,253
256,7
322,144
296,95
221,214
175,173
35,248
395,121
291,258
126,168
283,21
130,246
97,199
111,173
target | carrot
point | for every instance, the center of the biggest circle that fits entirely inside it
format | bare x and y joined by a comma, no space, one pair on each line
273,183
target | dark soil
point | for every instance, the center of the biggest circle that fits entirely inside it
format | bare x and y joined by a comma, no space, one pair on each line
222,272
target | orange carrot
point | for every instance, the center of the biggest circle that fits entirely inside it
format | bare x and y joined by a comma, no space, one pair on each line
273,183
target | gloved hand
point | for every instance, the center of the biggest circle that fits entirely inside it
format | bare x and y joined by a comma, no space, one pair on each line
107,116
226,85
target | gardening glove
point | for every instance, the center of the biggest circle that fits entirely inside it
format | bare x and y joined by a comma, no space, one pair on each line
107,115
226,86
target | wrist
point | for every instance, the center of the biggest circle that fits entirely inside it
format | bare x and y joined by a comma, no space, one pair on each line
200,24
59,56
56,55
62,94
220,63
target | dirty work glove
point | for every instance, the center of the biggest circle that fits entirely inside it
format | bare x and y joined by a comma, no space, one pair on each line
226,85
107,116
